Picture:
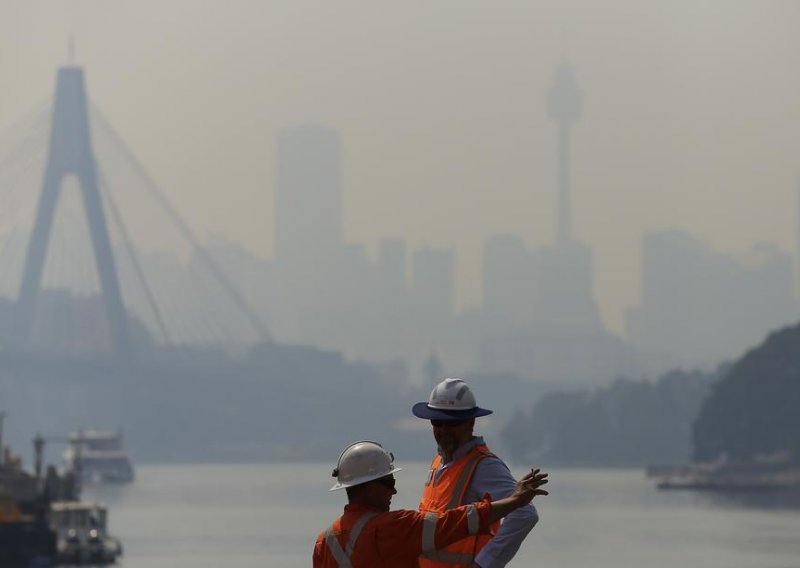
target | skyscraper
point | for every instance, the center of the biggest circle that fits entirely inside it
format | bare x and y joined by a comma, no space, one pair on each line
434,283
699,307
308,222
509,280
308,196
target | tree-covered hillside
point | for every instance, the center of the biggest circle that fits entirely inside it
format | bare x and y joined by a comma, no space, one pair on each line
627,423
755,409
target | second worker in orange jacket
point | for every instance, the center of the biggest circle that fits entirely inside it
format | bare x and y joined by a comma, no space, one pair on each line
369,535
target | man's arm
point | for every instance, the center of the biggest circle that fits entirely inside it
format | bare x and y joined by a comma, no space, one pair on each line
433,531
492,476
317,560
411,533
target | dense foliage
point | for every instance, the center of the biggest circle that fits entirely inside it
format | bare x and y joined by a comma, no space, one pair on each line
627,423
755,410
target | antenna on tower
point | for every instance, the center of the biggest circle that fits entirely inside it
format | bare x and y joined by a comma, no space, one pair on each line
71,50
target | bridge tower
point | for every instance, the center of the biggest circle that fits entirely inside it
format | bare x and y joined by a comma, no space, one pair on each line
70,153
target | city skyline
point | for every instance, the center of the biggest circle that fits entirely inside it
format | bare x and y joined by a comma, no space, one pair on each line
689,119
699,307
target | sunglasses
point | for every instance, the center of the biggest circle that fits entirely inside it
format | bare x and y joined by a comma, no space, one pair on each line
448,423
387,482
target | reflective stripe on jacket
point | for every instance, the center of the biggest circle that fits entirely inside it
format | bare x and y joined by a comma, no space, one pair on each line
446,491
365,538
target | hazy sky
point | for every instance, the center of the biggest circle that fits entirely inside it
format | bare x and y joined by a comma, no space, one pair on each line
691,113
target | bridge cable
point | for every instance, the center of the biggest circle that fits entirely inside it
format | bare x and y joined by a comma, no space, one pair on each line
178,221
131,250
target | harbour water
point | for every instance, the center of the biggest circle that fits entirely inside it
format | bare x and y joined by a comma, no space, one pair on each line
248,516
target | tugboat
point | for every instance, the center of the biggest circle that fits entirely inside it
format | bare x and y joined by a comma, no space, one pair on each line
99,457
81,533
26,539
42,521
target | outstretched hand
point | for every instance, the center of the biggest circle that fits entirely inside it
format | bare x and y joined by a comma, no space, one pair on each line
530,485
527,488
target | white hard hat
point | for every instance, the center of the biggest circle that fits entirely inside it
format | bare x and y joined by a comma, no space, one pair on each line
361,462
451,399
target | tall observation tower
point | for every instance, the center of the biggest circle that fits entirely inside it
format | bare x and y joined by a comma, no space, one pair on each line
564,106
566,339
564,295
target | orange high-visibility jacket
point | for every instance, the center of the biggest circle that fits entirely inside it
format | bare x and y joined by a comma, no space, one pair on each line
366,538
445,493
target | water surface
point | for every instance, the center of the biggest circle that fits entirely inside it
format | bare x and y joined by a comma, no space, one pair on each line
248,516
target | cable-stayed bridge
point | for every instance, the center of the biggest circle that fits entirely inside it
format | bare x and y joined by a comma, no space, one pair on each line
94,259
112,314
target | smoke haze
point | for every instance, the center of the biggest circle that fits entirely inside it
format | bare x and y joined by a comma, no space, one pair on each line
690,115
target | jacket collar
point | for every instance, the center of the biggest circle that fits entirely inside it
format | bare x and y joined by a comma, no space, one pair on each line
463,450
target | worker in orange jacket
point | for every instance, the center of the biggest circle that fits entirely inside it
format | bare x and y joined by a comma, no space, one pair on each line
463,470
368,535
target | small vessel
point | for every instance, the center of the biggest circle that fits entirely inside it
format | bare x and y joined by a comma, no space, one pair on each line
42,521
99,457
81,533
774,472
26,540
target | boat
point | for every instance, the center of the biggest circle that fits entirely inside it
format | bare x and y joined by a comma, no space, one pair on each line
26,540
774,472
81,534
99,457
43,523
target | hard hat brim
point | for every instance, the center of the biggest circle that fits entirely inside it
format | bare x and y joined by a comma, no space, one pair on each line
363,479
422,410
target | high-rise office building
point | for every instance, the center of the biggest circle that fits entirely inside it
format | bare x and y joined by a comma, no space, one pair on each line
434,283
308,221
699,307
509,280
391,267
308,195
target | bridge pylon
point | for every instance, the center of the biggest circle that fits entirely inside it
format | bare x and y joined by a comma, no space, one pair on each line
70,153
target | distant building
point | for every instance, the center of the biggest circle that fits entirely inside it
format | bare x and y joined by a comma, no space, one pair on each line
434,285
308,223
391,278
329,292
509,280
564,297
308,195
564,292
553,329
699,307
